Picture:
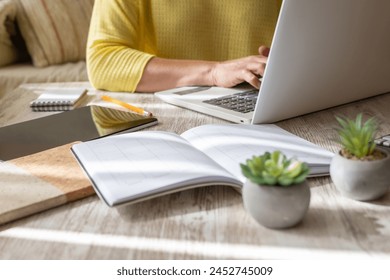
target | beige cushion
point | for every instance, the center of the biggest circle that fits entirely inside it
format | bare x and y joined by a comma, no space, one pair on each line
8,53
55,31
12,76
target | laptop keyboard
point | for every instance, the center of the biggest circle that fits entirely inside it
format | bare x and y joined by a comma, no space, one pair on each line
243,102
383,141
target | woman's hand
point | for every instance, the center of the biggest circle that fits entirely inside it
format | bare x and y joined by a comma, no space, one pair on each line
248,69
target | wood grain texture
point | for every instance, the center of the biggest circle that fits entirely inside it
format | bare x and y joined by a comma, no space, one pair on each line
40,181
58,167
210,222
22,194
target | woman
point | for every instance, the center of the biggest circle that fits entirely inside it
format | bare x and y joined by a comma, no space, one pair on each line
152,45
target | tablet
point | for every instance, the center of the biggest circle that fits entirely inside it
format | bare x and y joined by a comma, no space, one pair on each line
81,124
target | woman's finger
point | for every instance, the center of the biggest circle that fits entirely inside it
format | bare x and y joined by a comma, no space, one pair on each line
264,51
256,68
251,78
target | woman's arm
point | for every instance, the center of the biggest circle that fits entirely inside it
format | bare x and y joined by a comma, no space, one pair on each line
161,74
114,61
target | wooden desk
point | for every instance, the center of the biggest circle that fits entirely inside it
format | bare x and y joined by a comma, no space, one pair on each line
205,223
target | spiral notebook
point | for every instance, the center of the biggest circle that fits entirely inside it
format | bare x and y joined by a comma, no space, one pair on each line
61,99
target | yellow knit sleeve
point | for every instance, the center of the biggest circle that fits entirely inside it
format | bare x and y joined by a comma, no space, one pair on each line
113,60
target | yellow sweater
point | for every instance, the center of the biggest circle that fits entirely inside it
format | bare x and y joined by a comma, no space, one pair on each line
125,34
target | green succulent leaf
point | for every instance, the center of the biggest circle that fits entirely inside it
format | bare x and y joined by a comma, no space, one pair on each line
274,169
293,169
302,177
285,181
270,180
245,170
357,136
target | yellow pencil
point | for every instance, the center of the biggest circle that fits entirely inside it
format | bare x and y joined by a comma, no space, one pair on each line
127,106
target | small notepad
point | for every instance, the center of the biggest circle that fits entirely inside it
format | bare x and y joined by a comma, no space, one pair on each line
61,99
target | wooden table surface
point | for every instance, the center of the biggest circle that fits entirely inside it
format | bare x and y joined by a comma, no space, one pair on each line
204,223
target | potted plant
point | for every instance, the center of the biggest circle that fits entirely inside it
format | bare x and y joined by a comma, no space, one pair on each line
360,170
276,193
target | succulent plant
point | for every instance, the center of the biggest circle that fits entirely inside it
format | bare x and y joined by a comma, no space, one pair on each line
274,169
357,137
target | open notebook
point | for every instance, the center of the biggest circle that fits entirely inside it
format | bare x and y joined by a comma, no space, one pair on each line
136,166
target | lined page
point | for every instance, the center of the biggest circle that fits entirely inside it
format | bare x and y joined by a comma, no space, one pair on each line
131,166
230,145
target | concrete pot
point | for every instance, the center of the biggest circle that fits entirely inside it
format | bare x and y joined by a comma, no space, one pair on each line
275,206
361,180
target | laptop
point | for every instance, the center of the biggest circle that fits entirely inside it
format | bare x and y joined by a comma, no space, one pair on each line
324,53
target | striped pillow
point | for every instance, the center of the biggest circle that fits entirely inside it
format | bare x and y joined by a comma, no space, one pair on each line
55,31
8,53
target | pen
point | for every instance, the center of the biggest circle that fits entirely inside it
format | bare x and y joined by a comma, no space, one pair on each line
127,106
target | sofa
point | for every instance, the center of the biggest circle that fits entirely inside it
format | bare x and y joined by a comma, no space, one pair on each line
43,41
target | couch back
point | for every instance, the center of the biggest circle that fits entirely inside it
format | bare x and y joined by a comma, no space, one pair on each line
53,31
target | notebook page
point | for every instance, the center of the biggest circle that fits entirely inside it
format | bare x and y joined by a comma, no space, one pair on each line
230,145
131,166
61,94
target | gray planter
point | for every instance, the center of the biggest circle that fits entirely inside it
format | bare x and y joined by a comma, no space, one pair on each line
361,180
275,206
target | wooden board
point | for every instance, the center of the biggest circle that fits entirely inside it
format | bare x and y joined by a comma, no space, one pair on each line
39,182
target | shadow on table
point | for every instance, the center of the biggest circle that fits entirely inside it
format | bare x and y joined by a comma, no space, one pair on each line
348,226
181,203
